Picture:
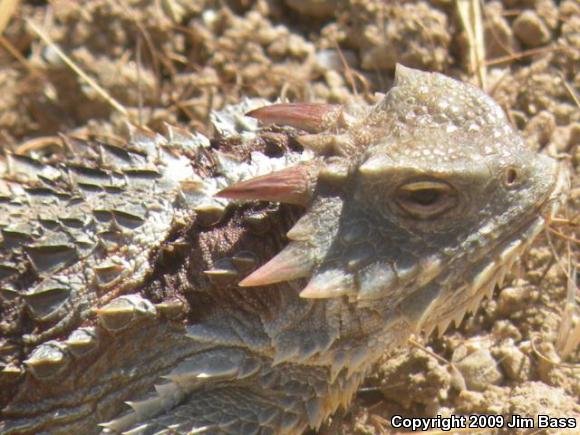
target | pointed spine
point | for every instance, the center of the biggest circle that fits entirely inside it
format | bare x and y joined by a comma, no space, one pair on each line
293,185
291,263
310,117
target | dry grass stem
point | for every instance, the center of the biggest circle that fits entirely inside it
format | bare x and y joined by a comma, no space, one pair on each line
470,17
564,236
523,54
549,360
9,47
418,345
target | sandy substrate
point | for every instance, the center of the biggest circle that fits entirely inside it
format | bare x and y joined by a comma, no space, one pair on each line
175,60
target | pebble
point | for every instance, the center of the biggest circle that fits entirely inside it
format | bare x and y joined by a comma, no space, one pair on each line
539,129
515,364
512,299
478,367
530,29
499,37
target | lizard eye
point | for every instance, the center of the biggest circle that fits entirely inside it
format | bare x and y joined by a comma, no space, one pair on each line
426,199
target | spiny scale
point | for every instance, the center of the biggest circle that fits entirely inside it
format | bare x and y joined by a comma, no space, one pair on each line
328,285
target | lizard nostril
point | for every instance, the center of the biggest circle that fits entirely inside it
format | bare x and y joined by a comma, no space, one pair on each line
511,176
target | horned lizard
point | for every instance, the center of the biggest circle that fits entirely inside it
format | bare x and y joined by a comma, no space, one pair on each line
136,274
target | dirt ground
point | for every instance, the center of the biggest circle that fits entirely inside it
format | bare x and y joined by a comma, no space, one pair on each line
175,60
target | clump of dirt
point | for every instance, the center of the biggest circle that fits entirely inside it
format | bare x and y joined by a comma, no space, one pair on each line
175,60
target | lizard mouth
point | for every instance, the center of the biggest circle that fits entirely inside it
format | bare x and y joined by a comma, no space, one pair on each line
452,306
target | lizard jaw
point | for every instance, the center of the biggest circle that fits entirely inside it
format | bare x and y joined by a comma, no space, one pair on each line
494,273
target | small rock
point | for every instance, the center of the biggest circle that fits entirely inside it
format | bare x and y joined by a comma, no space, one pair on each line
512,299
530,29
478,367
471,400
563,138
499,38
539,129
516,364
422,41
569,9
504,329
334,79
548,10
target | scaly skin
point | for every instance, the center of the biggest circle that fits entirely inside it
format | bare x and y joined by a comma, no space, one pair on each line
120,268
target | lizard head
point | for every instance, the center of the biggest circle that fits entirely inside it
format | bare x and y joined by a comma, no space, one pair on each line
428,194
